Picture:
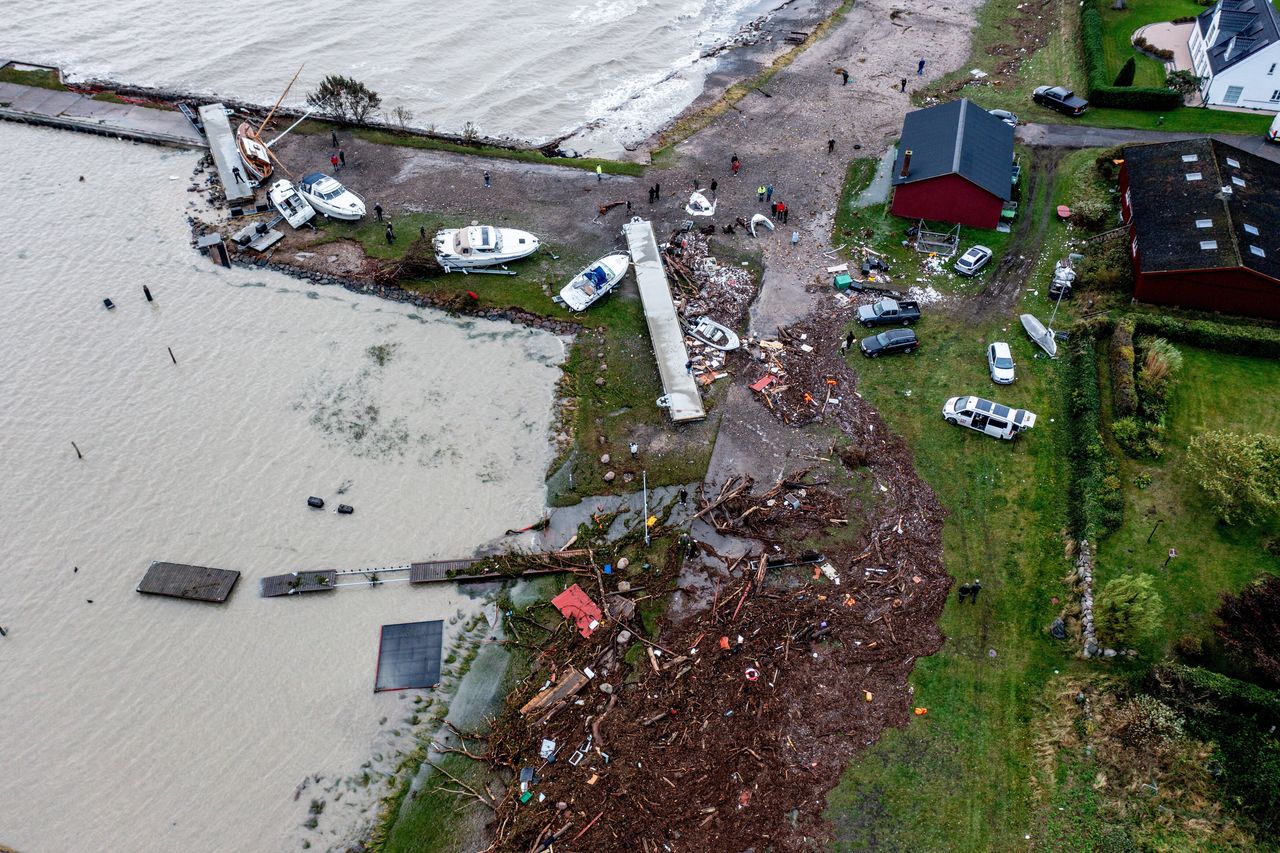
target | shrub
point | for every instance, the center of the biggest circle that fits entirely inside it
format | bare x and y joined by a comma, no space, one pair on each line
1093,212
1124,391
1240,474
1128,433
1249,628
1234,338
1093,509
1145,46
1128,609
1160,361
1127,72
1100,93
1106,267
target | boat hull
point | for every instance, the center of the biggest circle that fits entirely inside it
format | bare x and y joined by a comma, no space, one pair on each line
252,152
1037,332
516,245
292,206
583,292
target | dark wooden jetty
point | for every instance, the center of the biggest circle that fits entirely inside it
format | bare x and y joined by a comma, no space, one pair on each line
296,582
194,583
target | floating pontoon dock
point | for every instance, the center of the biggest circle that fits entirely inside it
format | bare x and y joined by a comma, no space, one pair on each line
194,583
226,157
296,582
73,111
680,390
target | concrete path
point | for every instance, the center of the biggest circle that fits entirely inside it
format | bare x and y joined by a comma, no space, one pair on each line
1083,136
73,111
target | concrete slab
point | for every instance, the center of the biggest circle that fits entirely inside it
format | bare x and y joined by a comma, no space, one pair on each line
678,384
226,157
73,111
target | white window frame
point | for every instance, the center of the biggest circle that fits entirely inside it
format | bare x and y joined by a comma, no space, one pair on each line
1208,245
1251,229
1232,95
1204,223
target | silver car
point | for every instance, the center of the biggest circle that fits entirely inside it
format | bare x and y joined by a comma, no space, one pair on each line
1000,363
973,260
1005,116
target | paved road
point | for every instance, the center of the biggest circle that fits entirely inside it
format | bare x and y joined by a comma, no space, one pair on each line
1083,136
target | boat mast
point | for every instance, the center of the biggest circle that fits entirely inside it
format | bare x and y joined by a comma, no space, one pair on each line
279,99
305,116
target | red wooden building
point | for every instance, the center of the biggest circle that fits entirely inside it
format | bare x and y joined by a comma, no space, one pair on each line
954,164
1204,226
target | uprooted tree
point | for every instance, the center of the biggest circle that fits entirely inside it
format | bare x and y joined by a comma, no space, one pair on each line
1250,626
1239,473
344,98
1128,609
1183,82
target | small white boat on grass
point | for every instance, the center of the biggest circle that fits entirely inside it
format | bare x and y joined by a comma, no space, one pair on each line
594,283
331,198
1043,337
713,334
699,205
482,246
758,220
292,206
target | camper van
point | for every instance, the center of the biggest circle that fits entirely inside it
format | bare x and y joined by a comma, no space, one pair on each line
1273,135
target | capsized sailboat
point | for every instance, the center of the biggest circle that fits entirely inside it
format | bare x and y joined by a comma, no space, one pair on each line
1043,337
594,283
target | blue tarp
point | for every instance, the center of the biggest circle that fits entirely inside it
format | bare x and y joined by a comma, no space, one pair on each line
597,276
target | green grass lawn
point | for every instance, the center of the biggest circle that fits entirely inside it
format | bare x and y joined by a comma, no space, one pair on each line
1214,391
1118,27
39,77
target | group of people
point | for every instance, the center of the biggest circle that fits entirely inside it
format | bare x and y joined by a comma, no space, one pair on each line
970,591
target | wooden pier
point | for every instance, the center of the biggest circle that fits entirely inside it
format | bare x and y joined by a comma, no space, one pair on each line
73,111
194,583
299,582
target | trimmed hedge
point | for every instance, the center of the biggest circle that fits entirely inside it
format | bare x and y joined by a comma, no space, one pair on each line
1096,505
1261,341
1101,94
1124,390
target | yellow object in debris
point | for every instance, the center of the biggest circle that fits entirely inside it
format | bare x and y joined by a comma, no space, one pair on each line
653,519
868,695
920,712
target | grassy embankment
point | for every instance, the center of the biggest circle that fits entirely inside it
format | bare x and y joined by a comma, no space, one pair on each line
965,764
614,334
1214,391
1059,63
39,77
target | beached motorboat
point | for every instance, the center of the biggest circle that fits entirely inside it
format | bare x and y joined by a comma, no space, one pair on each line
758,220
253,151
331,198
1043,337
699,205
482,246
713,334
594,283
292,206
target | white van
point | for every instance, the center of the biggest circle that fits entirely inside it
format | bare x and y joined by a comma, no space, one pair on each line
1273,135
987,417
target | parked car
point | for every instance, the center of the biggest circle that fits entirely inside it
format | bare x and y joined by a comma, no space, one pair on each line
1061,99
885,343
973,260
987,417
1000,363
887,312
1005,116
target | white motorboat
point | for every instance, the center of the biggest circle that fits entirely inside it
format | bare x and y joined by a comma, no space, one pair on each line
331,198
699,205
713,334
760,219
482,246
595,282
1043,337
292,206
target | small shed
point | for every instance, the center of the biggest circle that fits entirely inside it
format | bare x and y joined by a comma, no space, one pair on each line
954,164
575,604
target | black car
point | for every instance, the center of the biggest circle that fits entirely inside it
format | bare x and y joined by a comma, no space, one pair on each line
894,340
1060,99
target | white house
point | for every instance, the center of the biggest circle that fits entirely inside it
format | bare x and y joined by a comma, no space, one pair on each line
1235,48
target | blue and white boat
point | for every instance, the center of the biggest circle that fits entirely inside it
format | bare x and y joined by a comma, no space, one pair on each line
594,283
331,198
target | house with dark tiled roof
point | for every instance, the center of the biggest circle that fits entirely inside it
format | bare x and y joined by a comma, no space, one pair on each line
1204,226
1235,50
954,164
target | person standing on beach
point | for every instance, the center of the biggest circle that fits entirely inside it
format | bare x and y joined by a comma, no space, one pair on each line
333,159
697,184
657,192
487,181
920,68
768,192
333,137
342,158
760,193
831,145
904,85
391,234
782,209
844,74
650,195
377,212
735,164
714,184
599,173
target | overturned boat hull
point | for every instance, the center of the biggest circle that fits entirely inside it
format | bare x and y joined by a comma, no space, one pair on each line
1037,332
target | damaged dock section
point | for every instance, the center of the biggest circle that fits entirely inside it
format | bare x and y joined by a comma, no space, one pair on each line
194,583
679,388
226,158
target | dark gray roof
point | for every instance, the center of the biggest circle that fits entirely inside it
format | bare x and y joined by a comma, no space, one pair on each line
1173,216
1244,28
957,138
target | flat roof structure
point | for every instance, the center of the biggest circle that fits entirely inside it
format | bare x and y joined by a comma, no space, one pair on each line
679,388
226,157
409,656
194,583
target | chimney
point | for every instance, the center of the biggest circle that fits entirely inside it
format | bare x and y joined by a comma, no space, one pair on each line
906,164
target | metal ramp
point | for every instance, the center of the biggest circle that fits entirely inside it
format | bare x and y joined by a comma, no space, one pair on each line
681,396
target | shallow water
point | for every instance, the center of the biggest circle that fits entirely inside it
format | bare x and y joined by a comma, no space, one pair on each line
529,70
146,723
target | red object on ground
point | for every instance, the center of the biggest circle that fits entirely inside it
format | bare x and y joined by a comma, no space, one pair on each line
575,604
473,296
764,382
1064,212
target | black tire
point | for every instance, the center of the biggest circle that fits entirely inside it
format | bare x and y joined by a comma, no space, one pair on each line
910,350
866,325
873,355
952,421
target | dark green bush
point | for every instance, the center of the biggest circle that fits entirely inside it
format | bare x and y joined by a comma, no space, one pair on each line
1124,391
1096,505
1100,93
1106,266
1127,73
1237,339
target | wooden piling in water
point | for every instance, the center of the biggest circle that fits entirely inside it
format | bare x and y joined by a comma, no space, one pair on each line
171,356
79,455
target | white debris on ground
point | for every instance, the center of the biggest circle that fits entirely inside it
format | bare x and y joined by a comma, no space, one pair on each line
927,295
